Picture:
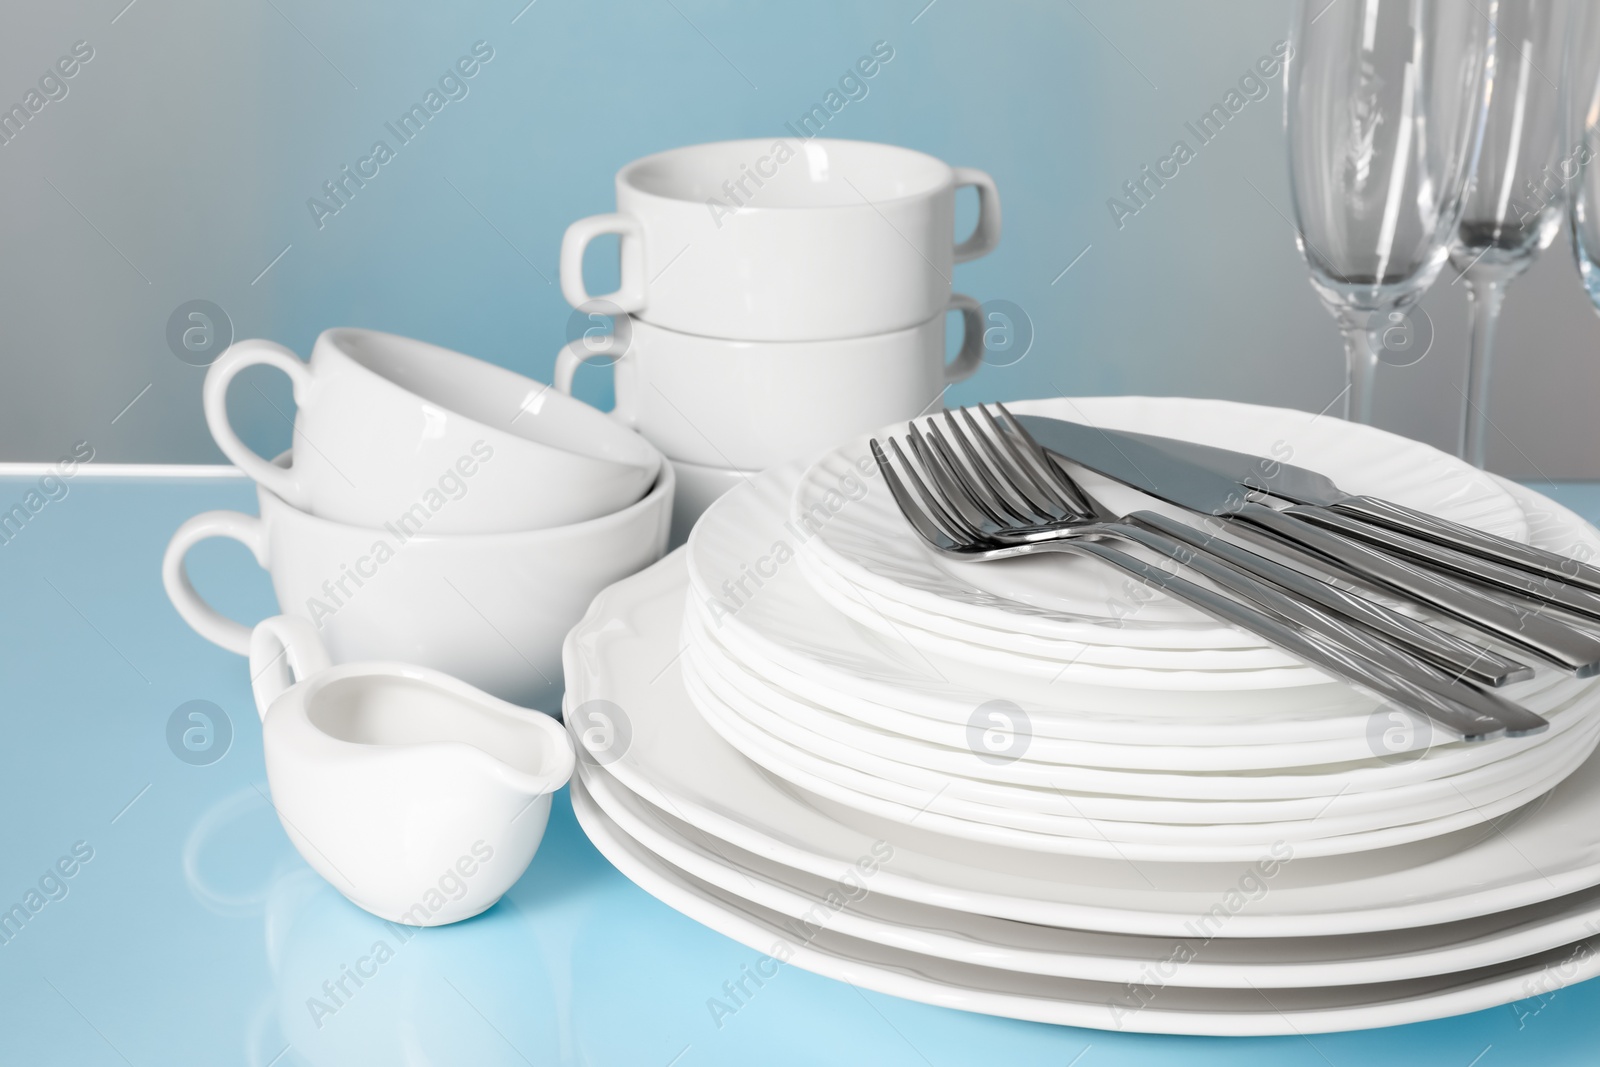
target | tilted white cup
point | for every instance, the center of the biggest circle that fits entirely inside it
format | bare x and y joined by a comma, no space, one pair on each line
786,240
386,422
753,404
415,795
490,609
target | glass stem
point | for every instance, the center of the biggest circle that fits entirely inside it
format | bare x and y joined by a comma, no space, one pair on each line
1361,358
1485,295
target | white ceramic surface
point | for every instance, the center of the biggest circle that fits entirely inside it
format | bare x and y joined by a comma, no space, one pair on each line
490,609
1074,1002
930,804
1218,962
753,404
389,428
1077,601
954,770
621,654
902,688
417,796
784,240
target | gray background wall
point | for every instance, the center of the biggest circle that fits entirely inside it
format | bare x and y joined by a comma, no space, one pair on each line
179,163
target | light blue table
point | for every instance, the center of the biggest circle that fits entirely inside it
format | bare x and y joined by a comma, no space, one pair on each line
193,933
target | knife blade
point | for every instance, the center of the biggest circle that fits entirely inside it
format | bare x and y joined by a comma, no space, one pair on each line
1162,468
1299,485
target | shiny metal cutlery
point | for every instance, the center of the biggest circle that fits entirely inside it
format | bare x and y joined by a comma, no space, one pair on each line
971,494
1158,466
1364,516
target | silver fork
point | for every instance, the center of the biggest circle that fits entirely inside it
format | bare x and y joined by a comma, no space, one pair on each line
971,510
1053,492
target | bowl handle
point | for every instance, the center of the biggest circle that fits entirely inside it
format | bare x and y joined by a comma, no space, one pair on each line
630,294
970,358
986,234
572,356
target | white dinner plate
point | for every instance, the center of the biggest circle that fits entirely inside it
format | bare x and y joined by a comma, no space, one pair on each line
1041,658
1070,1001
932,806
831,667
953,772
624,654
867,541
783,631
1204,959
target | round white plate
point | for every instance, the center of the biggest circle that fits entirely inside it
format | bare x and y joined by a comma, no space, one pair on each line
932,806
955,772
831,667
1069,1001
1041,658
1208,959
624,653
747,542
867,541
771,618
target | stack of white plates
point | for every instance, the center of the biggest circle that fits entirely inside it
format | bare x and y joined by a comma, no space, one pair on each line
1031,789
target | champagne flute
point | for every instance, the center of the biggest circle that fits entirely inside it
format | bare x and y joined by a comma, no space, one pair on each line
1582,139
1384,110
1513,205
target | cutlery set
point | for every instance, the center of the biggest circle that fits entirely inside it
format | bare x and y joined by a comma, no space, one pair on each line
983,488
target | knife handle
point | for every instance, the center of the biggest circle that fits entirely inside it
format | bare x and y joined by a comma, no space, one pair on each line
1461,658
1435,556
1473,542
1389,675
1551,639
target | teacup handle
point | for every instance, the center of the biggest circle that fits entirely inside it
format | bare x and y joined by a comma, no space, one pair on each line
214,396
571,357
283,650
630,290
204,619
970,358
986,234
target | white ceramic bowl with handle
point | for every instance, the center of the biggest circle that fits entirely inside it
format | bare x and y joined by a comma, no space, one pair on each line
754,404
785,240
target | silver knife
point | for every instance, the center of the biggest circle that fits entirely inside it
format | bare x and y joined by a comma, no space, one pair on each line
1298,485
1168,470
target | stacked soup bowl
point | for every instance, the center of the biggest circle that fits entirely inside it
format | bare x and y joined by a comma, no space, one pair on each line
777,297
435,509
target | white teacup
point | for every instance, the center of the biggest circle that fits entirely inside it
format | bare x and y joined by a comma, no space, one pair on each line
784,240
490,609
388,423
415,795
753,404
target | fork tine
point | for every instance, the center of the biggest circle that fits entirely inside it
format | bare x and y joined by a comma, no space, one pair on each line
933,501
1021,479
1041,461
985,478
996,476
972,474
921,513
957,490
